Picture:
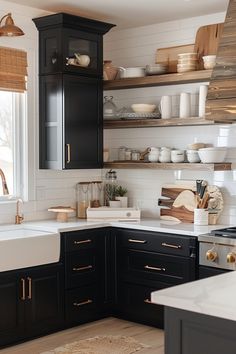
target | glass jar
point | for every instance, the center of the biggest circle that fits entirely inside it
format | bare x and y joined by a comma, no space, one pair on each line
121,153
110,186
83,192
109,108
135,155
128,154
96,194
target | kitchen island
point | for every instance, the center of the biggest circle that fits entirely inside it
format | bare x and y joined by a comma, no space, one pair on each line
200,317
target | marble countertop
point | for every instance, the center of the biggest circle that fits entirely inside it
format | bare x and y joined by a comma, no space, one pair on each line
214,296
144,224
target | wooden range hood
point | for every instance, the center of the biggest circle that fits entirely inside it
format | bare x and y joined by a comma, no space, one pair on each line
221,98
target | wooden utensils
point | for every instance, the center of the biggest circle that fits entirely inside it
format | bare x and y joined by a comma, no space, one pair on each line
207,41
169,56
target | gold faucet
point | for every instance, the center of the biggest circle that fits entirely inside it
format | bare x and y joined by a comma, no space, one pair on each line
4,183
19,217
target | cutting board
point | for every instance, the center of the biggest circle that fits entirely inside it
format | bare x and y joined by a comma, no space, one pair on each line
169,55
179,205
207,41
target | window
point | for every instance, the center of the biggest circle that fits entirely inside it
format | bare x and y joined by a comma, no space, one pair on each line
12,125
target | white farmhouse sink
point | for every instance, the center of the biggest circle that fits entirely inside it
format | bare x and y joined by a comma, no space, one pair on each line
22,248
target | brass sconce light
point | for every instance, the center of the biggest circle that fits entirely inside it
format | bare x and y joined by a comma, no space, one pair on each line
9,29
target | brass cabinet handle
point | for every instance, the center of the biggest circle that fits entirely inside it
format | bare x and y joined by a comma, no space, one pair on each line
81,242
22,289
30,288
136,241
77,304
155,268
170,245
82,268
147,301
68,153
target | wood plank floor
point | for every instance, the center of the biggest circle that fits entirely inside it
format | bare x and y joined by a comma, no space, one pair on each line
150,336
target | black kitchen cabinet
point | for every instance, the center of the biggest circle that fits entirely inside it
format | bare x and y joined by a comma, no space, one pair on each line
71,95
31,302
149,261
87,291
71,130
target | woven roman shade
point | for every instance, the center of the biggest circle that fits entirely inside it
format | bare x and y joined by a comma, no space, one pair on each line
13,69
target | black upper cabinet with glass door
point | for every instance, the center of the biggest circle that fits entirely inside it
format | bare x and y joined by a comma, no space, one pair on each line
70,91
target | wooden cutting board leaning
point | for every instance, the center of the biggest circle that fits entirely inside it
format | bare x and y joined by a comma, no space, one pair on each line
169,56
207,41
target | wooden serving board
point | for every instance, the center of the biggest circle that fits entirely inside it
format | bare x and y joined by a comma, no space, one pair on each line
207,41
169,56
179,205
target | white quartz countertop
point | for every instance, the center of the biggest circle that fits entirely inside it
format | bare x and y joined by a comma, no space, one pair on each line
144,224
214,296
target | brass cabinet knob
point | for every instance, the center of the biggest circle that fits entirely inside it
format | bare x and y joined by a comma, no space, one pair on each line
211,255
231,257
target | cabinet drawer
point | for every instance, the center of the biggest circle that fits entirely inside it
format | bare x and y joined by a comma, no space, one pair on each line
83,304
84,240
156,242
81,267
134,304
153,267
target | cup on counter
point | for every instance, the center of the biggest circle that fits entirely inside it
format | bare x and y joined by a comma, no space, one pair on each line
200,216
177,156
165,107
185,105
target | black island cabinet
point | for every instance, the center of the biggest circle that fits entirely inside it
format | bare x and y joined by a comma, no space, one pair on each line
70,91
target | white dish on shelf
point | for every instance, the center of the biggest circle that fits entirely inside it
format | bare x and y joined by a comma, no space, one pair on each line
212,154
143,107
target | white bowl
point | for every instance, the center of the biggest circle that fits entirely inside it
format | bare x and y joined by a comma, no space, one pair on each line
209,61
212,154
193,156
143,108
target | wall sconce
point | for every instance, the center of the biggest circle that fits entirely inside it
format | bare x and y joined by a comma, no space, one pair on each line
9,29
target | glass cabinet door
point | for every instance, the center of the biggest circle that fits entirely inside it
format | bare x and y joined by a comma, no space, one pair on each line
81,52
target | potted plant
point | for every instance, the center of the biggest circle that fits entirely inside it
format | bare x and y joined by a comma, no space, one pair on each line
120,195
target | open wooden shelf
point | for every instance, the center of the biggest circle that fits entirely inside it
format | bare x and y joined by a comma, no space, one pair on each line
158,80
142,123
227,166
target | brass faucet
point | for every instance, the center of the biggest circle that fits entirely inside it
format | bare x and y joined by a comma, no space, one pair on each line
19,217
4,183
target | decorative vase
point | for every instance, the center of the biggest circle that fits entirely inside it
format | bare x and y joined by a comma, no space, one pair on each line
115,203
109,70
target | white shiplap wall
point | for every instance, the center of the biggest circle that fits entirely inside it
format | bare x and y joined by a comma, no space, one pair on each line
137,47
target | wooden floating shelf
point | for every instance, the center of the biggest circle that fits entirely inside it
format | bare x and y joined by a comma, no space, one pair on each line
142,123
227,166
158,80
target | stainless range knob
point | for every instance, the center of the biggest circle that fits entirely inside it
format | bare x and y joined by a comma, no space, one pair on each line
211,255
231,257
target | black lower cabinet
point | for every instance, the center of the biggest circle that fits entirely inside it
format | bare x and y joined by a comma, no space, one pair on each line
192,333
87,275
134,304
11,308
31,303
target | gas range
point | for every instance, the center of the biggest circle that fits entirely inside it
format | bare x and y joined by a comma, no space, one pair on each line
218,249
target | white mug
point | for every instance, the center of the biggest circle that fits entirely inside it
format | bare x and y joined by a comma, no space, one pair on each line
165,107
185,105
